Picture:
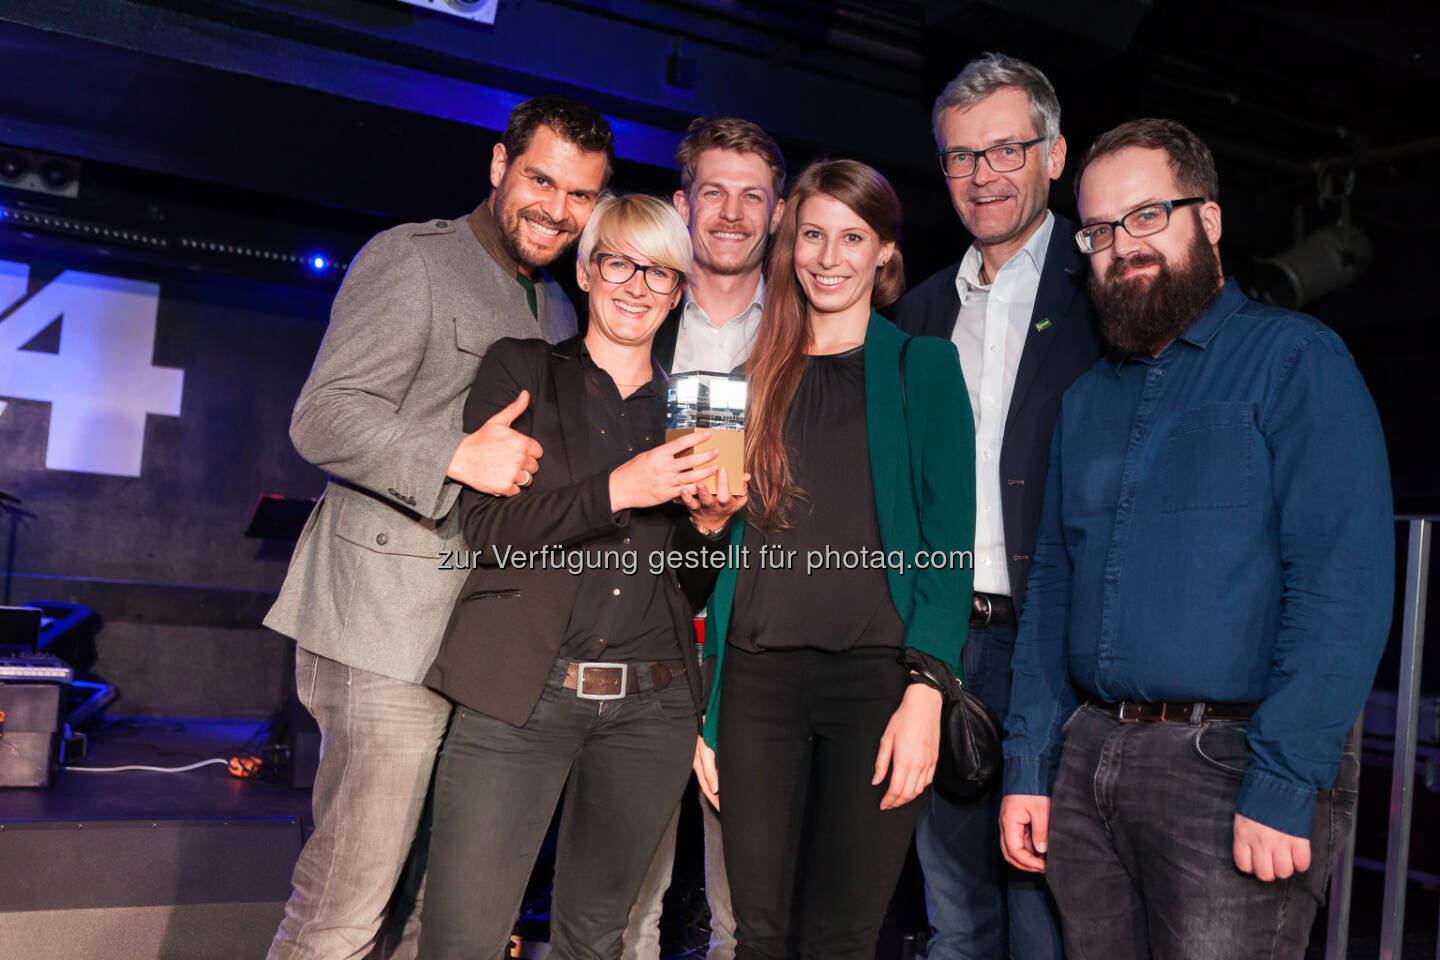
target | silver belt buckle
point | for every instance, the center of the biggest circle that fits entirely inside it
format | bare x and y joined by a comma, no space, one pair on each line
580,681
989,611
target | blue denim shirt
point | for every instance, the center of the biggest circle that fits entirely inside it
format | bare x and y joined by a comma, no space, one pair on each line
1217,526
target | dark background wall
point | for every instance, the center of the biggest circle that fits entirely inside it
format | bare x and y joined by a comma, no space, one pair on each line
234,142
162,556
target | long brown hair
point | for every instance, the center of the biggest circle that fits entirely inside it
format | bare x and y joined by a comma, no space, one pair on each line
778,359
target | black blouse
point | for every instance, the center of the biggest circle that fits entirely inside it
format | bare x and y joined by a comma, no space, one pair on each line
821,583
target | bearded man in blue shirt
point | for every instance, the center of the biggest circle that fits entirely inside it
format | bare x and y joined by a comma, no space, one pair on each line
1213,574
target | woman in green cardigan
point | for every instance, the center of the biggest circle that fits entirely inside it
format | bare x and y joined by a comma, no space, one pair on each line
833,637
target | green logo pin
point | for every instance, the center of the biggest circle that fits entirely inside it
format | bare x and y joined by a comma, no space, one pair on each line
1043,324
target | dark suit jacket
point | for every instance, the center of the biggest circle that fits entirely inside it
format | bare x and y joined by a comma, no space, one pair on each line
1053,357
662,348
509,623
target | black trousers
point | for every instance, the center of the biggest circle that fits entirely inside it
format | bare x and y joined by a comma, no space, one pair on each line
812,858
622,764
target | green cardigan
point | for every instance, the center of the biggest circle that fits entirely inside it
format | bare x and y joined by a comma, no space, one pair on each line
935,471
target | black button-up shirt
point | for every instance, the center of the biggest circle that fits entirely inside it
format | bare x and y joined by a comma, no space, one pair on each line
620,611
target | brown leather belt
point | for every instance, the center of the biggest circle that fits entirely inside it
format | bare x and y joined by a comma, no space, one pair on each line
611,681
1196,712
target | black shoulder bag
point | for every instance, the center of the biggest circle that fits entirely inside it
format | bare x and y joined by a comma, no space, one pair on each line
970,755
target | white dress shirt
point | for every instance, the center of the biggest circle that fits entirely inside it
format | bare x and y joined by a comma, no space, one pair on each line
702,345
990,334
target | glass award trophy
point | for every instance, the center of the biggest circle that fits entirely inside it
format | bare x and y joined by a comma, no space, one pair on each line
714,402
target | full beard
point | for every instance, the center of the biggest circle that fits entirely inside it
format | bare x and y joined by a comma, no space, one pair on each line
512,227
1138,317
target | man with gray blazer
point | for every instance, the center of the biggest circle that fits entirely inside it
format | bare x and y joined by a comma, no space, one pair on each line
368,594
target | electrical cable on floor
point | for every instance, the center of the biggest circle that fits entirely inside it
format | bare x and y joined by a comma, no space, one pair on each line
239,766
136,766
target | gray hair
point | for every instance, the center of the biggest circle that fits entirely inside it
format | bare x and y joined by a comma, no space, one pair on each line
990,72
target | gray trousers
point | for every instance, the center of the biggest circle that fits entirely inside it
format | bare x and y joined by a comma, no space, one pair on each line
379,737
622,765
1141,860
642,936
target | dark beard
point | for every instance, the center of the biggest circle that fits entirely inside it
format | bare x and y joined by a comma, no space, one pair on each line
1137,318
510,226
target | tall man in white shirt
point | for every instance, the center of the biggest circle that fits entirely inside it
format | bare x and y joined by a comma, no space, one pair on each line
732,176
1016,307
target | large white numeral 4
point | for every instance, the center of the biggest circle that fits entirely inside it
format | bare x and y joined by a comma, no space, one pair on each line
101,384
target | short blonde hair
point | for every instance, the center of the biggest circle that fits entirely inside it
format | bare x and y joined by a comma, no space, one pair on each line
646,225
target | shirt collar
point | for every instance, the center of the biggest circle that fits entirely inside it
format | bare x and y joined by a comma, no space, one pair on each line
1226,302
1033,252
487,231
658,377
1203,330
756,303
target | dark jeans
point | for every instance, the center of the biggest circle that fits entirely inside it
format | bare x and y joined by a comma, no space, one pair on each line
812,858
1141,832
980,907
496,786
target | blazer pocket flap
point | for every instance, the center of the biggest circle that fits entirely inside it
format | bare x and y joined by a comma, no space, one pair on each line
501,593
384,529
471,336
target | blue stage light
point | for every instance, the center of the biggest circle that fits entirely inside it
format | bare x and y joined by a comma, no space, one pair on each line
318,262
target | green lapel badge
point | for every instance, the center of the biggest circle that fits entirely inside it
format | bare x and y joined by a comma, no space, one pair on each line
1043,324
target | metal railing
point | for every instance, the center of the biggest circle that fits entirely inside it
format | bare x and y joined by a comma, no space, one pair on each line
1402,774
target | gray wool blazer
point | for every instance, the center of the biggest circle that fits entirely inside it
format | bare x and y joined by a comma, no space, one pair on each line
382,411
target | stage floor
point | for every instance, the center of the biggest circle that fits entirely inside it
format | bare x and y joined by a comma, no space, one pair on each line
208,792
211,792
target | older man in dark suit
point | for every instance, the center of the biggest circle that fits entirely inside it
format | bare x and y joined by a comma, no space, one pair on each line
367,594
1015,306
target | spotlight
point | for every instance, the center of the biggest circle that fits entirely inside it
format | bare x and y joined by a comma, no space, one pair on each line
13,166
1329,259
681,72
318,262
56,174
481,11
39,172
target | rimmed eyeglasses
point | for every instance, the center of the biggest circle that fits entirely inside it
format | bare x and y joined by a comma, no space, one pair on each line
1140,222
617,269
1003,158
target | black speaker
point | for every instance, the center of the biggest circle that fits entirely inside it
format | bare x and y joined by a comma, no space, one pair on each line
144,889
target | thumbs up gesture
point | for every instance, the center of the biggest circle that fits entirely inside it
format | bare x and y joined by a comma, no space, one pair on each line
497,459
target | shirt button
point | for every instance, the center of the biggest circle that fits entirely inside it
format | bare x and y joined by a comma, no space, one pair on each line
989,453
626,540
989,399
987,561
994,347
381,539
615,592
